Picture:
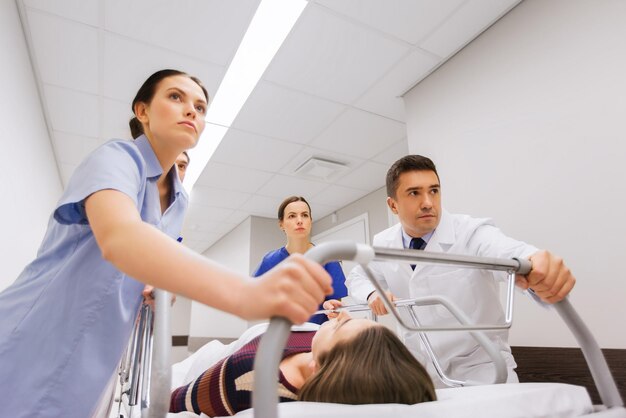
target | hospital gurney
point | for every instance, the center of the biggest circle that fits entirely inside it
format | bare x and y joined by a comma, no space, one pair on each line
265,401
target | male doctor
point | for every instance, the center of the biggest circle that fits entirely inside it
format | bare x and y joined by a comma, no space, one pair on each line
414,194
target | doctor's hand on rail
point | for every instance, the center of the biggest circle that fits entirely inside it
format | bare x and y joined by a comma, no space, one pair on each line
376,304
293,289
550,278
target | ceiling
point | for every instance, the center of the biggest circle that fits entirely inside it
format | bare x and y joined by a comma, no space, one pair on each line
332,90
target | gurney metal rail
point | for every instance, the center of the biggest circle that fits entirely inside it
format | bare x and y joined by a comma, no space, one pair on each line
267,360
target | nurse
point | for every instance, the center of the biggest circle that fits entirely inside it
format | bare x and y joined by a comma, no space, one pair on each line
67,318
295,220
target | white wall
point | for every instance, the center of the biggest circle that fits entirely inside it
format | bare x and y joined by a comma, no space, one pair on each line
232,251
29,180
526,125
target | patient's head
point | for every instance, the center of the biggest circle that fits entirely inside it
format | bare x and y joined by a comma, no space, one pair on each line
358,361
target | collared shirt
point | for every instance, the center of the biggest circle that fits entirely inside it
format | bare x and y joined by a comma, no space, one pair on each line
406,238
67,318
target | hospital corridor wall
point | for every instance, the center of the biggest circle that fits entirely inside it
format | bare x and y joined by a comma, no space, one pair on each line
526,125
29,182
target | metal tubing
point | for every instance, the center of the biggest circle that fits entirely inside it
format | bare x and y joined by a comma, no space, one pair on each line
161,378
267,359
602,377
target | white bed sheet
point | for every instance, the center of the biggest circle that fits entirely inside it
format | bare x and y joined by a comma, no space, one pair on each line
523,400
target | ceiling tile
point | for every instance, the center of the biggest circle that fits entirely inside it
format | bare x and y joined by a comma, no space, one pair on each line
206,215
115,117
254,151
127,64
286,114
85,11
384,98
72,149
465,24
237,217
224,176
263,206
393,153
66,172
210,30
200,246
221,198
360,133
282,186
370,176
336,196
66,52
71,111
330,57
409,20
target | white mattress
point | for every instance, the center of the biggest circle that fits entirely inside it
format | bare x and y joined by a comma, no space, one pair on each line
523,400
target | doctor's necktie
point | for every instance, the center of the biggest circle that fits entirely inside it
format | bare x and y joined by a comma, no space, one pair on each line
417,244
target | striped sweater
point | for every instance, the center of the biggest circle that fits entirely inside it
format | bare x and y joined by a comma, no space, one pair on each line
226,387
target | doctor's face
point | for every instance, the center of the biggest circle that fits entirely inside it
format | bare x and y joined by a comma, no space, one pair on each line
417,202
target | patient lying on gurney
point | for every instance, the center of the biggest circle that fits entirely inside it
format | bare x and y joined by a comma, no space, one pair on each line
348,360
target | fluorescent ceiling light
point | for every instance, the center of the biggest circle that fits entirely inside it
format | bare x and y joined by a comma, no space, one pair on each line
269,27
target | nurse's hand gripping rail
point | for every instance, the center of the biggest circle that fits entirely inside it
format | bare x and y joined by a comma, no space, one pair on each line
266,365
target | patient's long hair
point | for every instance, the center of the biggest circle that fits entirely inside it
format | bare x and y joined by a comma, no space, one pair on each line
373,367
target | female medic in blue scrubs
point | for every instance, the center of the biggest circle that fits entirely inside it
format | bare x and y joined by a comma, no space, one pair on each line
294,218
66,320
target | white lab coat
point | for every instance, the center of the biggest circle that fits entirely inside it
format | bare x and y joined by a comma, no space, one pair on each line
476,292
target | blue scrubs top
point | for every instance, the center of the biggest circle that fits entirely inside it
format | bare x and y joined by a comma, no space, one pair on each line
67,319
333,268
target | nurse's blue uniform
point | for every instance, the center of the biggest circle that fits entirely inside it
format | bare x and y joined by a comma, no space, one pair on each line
67,319
333,268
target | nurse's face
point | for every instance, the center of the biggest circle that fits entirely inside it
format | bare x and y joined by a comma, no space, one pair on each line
297,220
181,165
338,329
175,116
417,202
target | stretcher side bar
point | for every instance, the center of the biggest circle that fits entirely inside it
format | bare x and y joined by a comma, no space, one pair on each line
267,360
158,403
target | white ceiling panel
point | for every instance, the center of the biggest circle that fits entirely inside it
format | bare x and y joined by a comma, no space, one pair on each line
72,111
330,57
85,11
221,198
128,63
74,148
335,195
66,172
286,114
201,215
409,20
249,150
282,186
67,52
384,98
360,133
210,30
115,117
200,246
237,217
464,25
240,179
263,205
369,177
393,153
